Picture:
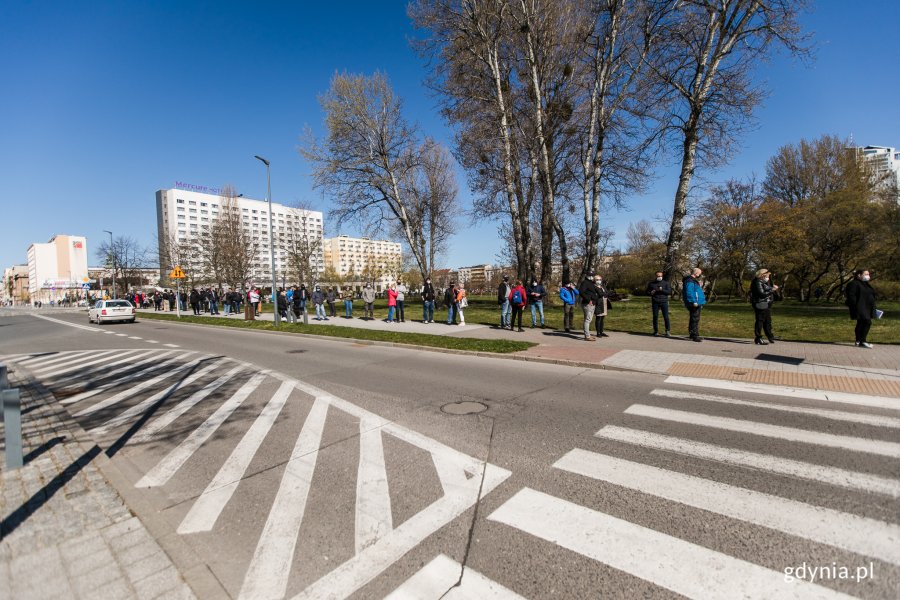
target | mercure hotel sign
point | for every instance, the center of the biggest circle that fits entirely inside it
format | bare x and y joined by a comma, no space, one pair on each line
190,187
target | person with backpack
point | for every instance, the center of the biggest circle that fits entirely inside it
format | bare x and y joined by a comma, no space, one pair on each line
568,294
660,290
368,297
428,297
589,298
504,293
762,294
518,298
694,299
450,301
861,302
536,293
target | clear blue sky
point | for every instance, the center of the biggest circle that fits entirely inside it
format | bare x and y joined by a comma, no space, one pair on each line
106,102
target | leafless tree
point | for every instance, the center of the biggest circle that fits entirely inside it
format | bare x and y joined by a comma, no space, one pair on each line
711,48
126,257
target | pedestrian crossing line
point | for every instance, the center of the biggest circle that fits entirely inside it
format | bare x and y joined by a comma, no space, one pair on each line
267,575
861,535
145,404
663,560
47,359
890,449
773,464
174,460
439,578
157,359
373,500
182,407
134,337
837,415
68,323
152,342
122,335
171,345
110,332
132,391
73,364
779,390
206,510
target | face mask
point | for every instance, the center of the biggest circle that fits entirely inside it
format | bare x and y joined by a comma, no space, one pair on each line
659,278
866,277
766,279
534,283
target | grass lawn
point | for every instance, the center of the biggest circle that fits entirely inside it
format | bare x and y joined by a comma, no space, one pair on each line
418,339
790,320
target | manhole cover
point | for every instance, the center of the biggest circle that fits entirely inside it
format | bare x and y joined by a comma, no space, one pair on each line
464,408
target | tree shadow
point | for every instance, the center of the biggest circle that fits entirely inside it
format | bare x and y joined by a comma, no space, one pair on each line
42,448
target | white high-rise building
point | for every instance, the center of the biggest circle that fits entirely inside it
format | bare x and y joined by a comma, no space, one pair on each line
884,163
378,261
184,215
57,268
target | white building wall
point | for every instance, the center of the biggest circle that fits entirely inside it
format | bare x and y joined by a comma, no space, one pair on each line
345,254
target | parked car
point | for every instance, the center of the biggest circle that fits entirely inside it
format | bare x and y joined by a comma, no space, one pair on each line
111,310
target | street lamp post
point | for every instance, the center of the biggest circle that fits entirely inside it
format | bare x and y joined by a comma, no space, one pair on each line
112,255
271,242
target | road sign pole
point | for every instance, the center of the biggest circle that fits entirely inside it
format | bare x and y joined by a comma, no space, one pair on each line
178,297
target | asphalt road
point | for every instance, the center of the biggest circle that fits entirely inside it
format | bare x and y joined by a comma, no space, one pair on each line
280,466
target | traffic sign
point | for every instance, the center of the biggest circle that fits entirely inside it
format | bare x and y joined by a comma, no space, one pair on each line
85,286
177,273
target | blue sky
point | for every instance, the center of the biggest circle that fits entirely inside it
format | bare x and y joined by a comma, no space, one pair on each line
106,102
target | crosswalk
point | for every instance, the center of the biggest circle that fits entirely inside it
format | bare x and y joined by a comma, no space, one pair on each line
682,566
175,412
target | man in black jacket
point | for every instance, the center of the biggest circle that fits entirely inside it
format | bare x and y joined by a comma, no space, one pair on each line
659,290
861,302
504,291
762,294
589,295
428,302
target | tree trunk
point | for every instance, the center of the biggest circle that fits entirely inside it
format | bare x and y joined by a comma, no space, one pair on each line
676,229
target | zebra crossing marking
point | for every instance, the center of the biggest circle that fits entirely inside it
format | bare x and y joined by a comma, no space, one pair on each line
373,504
171,345
778,390
133,374
861,535
837,415
783,466
890,449
47,359
669,562
61,322
80,363
445,578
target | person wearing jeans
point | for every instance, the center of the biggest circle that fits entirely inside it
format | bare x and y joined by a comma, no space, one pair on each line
428,302
568,294
536,293
694,299
401,300
589,298
392,303
504,291
347,297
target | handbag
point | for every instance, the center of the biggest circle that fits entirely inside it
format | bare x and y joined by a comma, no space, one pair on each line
761,305
464,302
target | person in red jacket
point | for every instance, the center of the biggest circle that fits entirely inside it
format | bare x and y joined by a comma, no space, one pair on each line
392,302
517,299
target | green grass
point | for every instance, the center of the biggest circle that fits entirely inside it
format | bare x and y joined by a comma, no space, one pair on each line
790,320
417,339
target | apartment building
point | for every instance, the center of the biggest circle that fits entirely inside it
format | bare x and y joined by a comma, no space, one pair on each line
363,259
57,267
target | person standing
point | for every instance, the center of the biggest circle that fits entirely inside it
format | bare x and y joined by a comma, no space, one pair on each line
694,299
253,298
861,302
762,294
318,298
518,299
589,297
461,303
347,297
331,298
195,301
602,306
536,293
368,296
401,300
428,302
660,290
568,294
392,302
450,301
504,293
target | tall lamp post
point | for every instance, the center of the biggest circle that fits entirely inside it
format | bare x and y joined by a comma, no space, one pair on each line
271,241
112,255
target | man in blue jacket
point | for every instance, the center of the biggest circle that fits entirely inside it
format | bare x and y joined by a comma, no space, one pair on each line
694,299
568,294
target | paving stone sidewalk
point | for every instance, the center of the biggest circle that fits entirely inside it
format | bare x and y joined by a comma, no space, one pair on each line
66,532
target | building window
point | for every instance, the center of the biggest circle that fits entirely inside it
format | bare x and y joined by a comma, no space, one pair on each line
180,201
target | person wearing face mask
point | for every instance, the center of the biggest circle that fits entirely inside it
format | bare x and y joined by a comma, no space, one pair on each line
568,294
762,294
318,298
602,306
659,290
368,297
694,299
428,302
536,293
861,302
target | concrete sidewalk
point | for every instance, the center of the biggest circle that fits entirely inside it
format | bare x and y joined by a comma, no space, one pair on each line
840,367
66,532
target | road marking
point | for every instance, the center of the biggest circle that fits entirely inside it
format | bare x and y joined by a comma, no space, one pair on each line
773,464
132,374
438,578
122,334
47,359
861,535
130,392
61,322
856,444
661,559
179,455
182,407
109,332
152,342
206,510
779,390
270,567
142,406
134,337
373,500
81,363
837,415
171,345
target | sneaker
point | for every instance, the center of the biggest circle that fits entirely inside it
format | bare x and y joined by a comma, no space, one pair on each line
668,335
604,335
655,334
590,339
865,345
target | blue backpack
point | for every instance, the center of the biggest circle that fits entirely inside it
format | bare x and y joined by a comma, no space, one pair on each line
517,297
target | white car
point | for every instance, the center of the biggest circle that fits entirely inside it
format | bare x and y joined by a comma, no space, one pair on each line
111,310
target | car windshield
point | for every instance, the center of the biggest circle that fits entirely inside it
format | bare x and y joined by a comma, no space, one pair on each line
118,303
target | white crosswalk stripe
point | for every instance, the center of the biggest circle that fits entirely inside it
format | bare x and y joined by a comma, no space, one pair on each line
438,578
42,360
130,367
74,365
669,562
